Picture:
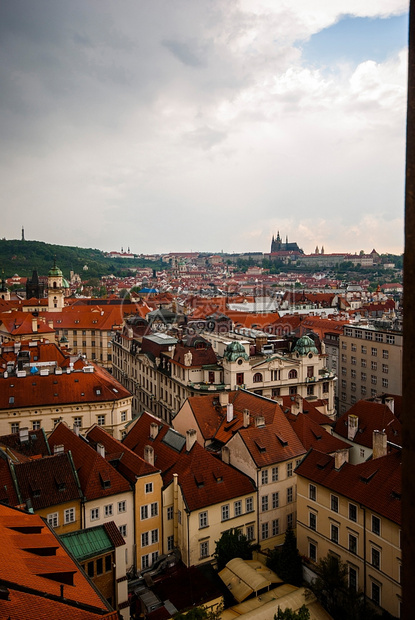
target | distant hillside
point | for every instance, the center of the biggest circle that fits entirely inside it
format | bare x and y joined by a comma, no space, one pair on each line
22,257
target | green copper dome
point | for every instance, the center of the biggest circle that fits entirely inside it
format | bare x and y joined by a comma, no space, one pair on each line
305,345
234,351
55,271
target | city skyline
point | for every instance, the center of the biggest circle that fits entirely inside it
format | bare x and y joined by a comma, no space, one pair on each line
177,126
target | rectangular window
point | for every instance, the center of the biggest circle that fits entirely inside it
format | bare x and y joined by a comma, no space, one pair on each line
145,561
379,337
373,379
289,470
90,569
203,519
335,503
334,533
108,512
385,383
69,515
264,503
170,542
15,427
363,349
312,492
353,579
225,512
368,335
374,365
77,422
249,504
353,347
385,369
310,390
101,420
289,495
363,363
275,527
149,487
390,339
375,557
264,476
353,512
385,354
353,360
94,514
100,566
239,378
363,376
108,563
169,513
376,593
353,374
376,525
274,476
122,506
363,390
154,536
154,509
290,520
352,543
264,531
36,425
312,551
204,549
237,508
53,519
144,539
275,500
374,351
312,521
123,416
250,532
123,530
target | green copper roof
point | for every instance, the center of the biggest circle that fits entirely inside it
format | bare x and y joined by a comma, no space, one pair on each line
234,351
84,544
305,345
55,271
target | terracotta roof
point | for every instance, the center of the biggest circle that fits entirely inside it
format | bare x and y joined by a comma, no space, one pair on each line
375,484
200,357
18,323
96,476
272,443
49,481
203,478
372,416
35,445
312,435
41,566
129,464
8,494
58,389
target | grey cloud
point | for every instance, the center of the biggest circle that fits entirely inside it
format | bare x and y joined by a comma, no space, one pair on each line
185,53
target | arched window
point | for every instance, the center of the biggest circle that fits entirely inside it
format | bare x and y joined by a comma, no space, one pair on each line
292,374
257,377
54,284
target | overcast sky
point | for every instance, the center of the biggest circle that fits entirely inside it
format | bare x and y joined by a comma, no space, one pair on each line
178,125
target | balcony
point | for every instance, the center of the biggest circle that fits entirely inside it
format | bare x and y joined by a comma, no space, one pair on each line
208,387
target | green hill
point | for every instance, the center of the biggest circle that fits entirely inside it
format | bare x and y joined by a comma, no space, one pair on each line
22,257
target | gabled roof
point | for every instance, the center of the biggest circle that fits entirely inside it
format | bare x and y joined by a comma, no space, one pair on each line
84,544
372,416
273,443
17,323
36,443
376,484
203,478
49,481
39,569
96,476
312,435
129,464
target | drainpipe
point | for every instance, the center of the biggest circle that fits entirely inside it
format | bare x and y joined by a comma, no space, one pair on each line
175,509
364,556
257,503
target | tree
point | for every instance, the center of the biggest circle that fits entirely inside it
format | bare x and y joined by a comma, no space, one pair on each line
233,544
288,614
199,613
286,561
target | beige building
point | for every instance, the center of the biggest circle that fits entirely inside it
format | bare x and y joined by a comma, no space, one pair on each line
354,512
370,363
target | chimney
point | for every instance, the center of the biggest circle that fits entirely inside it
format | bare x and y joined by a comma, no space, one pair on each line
380,447
58,449
76,429
190,439
259,420
154,429
352,426
24,435
50,323
149,454
101,450
34,324
223,398
229,412
390,401
297,405
340,457
226,455
247,418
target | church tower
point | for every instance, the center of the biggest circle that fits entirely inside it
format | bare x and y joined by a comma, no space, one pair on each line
55,289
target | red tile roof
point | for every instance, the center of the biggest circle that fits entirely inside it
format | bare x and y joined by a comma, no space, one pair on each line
372,416
375,484
40,566
312,435
93,470
203,478
129,464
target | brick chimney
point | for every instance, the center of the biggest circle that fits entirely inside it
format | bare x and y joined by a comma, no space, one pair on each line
247,418
340,457
154,429
191,436
352,426
149,454
380,447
